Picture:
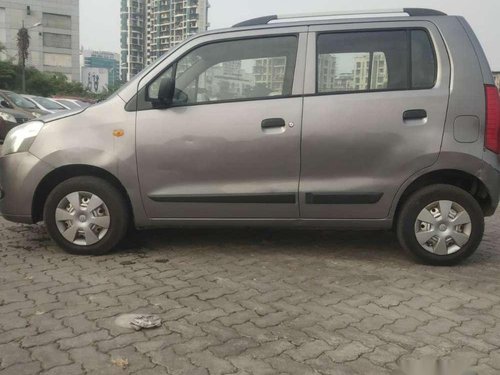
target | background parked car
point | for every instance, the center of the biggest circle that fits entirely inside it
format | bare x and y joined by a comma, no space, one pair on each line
10,118
72,103
46,104
9,99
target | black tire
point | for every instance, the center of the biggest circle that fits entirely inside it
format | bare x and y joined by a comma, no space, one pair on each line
112,197
422,198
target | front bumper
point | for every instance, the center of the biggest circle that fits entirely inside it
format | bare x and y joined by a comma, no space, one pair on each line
20,175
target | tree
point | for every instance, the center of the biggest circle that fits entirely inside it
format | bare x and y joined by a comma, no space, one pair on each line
40,83
8,74
23,44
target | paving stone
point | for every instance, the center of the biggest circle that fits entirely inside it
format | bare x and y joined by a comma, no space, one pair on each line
285,364
46,337
22,368
74,369
308,350
172,362
349,352
243,302
120,341
136,360
50,356
196,344
270,320
79,324
233,347
16,334
90,359
270,349
238,317
384,354
404,325
185,329
252,365
205,316
12,320
84,339
12,353
213,364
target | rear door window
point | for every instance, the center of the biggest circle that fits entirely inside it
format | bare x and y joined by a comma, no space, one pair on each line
375,61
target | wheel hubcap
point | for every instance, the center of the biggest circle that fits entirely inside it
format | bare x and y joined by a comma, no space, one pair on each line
82,218
443,227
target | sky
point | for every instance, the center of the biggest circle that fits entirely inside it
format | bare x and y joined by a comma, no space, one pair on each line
100,19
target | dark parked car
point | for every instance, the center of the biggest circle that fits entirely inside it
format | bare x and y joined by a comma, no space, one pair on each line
10,118
9,99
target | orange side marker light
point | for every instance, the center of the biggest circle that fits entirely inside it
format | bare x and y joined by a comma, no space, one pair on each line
118,133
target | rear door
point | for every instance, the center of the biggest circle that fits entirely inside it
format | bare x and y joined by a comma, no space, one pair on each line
374,114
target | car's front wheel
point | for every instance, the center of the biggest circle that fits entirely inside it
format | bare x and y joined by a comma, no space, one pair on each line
441,224
86,216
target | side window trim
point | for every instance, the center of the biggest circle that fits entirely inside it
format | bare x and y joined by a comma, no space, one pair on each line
408,31
141,102
434,56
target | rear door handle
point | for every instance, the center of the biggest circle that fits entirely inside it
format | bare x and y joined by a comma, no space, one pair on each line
271,123
415,114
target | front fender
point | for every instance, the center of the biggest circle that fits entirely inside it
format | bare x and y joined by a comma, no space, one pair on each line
90,138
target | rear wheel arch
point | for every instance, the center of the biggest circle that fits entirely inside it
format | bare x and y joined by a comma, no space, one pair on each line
61,174
454,177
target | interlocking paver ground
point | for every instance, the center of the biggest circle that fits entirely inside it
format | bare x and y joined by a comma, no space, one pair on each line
241,301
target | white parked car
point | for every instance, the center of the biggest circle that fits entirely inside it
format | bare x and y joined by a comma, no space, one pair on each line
71,103
46,104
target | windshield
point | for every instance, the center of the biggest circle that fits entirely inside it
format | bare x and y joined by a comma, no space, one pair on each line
19,101
49,104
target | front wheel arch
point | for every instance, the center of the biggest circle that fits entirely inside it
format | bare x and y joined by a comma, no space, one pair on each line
61,174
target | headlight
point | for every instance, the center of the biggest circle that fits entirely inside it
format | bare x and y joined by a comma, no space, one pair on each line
7,117
21,137
36,114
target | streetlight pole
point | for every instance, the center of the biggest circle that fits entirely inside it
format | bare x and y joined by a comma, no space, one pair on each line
23,44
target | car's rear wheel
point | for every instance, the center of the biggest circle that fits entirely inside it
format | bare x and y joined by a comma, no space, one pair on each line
86,216
441,225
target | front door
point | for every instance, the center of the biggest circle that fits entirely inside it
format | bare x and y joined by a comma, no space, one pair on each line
374,115
229,146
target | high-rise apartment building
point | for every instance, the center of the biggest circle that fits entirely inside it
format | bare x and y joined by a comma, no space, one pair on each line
132,37
151,28
54,34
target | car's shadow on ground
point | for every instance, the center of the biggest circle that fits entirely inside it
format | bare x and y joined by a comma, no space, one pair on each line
327,244
355,244
347,245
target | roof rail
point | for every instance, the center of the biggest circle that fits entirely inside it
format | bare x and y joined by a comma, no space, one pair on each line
412,12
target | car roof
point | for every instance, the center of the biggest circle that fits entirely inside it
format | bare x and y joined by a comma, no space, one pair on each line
311,19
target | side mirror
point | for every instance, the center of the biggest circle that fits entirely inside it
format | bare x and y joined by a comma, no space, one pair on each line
165,93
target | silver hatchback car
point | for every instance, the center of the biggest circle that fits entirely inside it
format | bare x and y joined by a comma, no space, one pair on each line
388,121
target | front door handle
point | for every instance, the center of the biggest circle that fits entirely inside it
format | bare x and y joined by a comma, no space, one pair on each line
415,114
271,123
